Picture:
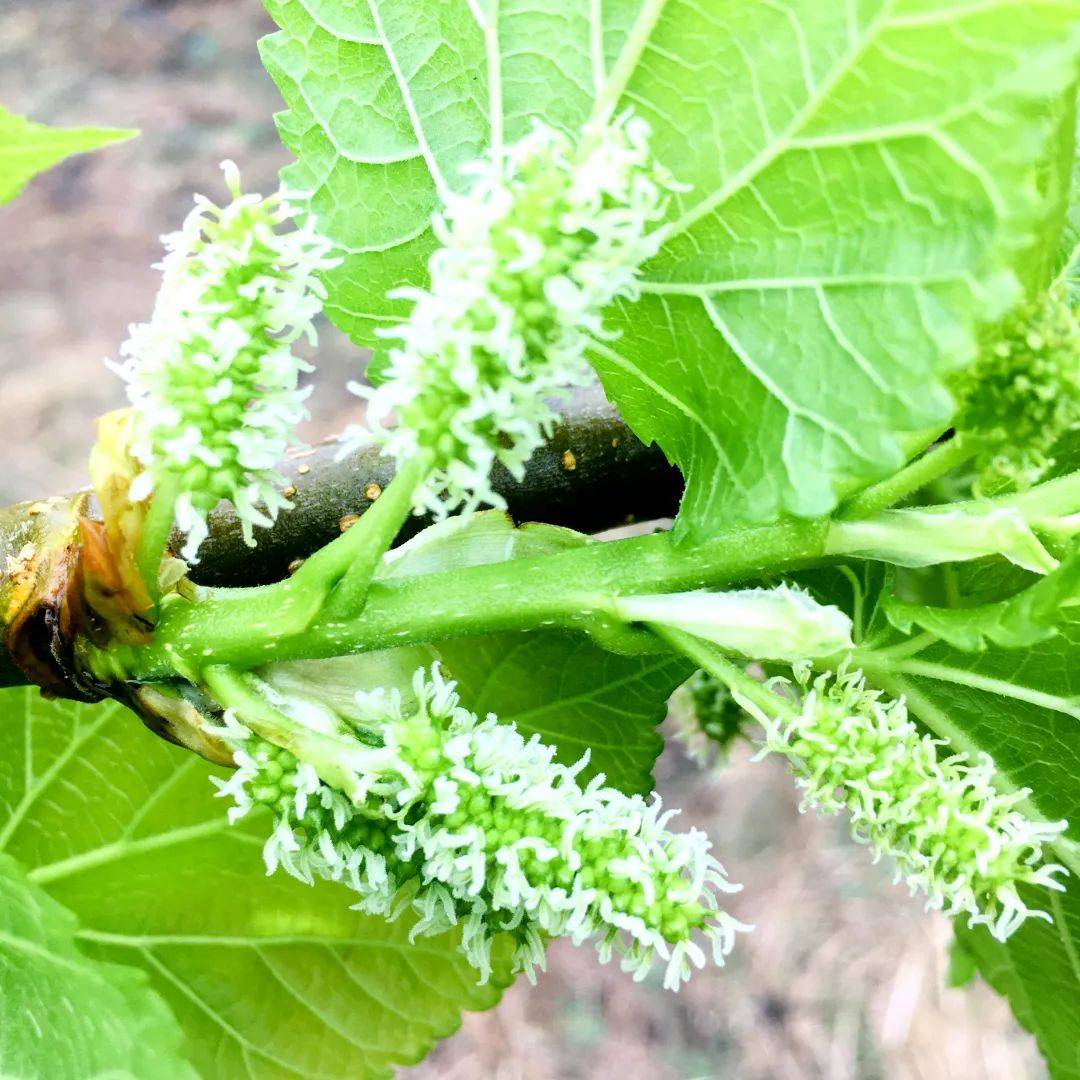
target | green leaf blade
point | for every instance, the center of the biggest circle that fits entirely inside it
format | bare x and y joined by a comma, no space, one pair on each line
28,148
282,979
65,1015
1023,620
1066,263
832,235
358,158
1021,706
269,978
831,230
1038,970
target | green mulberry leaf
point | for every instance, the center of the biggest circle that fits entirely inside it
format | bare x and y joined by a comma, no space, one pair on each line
867,182
1025,619
65,1015
1038,970
27,149
270,979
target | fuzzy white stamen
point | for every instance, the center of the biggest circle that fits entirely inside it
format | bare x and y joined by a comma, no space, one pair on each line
548,235
951,834
472,824
212,377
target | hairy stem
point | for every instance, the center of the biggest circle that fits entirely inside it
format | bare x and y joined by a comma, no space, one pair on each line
936,462
572,589
1051,500
712,661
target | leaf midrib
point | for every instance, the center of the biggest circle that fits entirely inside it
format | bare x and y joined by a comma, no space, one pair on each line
430,160
999,687
43,952
122,849
247,941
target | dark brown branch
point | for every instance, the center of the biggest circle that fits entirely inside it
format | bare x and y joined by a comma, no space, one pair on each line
592,474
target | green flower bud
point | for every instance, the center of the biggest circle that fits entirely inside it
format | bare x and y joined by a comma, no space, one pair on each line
1023,394
708,720
784,623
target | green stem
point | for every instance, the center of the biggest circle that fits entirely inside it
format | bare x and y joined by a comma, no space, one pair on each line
342,571
571,589
911,646
936,462
288,608
156,530
1052,499
959,531
715,663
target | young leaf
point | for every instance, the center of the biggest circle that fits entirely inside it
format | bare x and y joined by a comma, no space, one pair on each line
1038,970
269,978
861,188
65,1015
27,149
1024,619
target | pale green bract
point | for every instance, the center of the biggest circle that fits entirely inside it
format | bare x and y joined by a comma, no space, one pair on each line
942,535
783,623
830,225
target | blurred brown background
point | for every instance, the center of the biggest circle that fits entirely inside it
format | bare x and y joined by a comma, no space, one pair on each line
844,977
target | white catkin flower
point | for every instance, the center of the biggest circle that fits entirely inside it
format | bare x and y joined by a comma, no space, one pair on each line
951,834
549,234
706,720
467,823
212,377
